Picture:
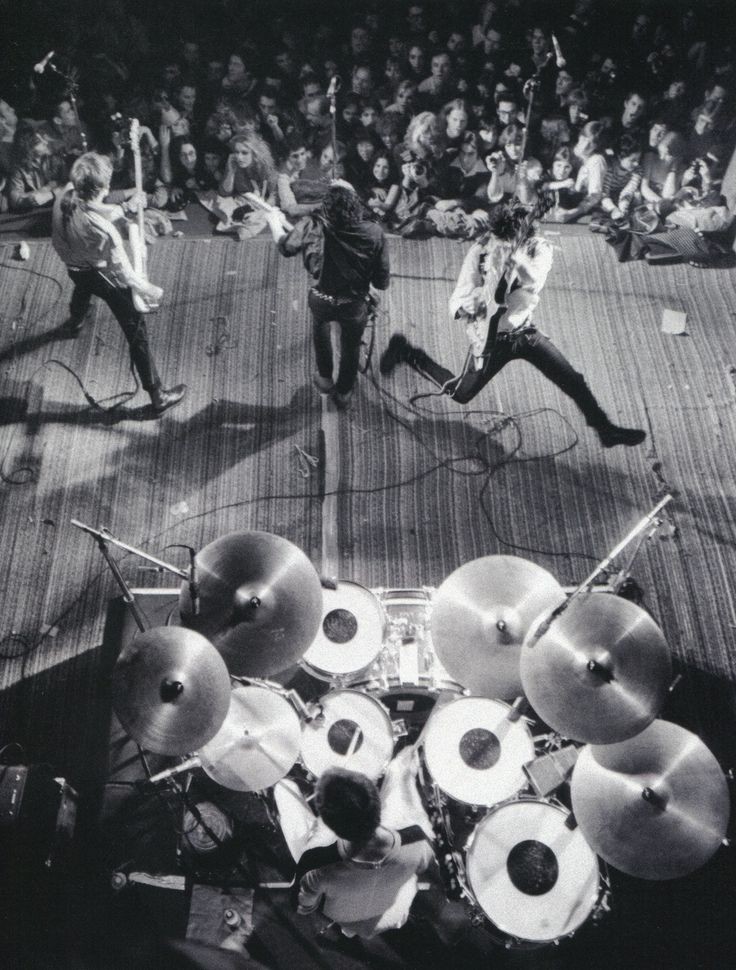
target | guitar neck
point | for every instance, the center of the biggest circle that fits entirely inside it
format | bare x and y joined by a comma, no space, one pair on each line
140,250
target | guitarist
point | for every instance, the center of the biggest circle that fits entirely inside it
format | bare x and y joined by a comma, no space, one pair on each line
495,296
90,246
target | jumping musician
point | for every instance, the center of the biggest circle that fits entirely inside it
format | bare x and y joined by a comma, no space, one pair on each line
85,238
495,295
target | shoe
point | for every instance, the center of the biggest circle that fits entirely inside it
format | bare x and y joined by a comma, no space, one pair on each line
323,384
162,399
611,435
396,353
342,401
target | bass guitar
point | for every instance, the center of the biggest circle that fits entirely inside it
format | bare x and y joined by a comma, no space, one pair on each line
482,327
136,230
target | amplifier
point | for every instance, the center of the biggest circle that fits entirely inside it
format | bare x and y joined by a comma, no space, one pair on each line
38,815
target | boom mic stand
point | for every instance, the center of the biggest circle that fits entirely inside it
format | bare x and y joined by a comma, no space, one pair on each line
71,91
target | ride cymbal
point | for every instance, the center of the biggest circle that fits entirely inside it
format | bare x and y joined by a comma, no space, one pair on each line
170,690
599,672
655,806
480,616
260,602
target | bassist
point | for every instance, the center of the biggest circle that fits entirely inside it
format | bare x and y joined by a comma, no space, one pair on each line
495,296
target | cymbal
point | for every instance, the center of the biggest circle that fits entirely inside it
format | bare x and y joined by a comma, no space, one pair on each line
600,672
258,742
655,806
260,602
480,615
170,690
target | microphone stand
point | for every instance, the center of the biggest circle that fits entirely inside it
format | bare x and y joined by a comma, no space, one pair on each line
104,538
333,112
72,86
651,522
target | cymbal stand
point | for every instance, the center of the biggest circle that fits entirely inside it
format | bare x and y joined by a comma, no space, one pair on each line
104,538
650,522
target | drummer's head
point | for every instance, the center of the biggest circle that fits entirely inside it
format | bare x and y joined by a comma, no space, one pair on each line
348,803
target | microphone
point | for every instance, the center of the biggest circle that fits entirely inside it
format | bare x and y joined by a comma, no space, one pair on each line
41,66
559,59
335,85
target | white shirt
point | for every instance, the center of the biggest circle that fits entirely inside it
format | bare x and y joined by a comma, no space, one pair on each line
482,270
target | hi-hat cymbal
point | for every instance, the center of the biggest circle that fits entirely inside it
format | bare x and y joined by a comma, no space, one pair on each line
480,615
601,670
655,806
258,742
260,602
170,690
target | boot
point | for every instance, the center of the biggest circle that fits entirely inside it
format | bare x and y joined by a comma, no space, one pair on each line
323,384
611,435
162,399
342,401
396,353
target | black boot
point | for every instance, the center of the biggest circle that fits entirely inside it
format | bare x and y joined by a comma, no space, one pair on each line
611,435
396,353
162,399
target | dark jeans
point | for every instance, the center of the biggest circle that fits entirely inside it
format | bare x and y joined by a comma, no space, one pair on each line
92,282
529,345
352,316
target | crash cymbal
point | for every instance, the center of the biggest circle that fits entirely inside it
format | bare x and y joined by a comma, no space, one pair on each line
480,615
170,690
601,671
655,806
258,742
260,602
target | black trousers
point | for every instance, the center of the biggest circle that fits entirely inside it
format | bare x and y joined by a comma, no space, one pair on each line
93,282
352,316
529,345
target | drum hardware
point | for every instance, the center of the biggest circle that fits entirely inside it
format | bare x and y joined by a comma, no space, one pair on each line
547,772
655,806
600,672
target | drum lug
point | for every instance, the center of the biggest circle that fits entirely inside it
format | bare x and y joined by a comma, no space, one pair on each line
400,730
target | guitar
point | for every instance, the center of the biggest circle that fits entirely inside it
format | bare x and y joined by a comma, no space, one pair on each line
136,230
258,202
482,327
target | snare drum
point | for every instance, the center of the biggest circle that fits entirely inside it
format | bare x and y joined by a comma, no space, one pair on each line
352,731
350,634
536,879
475,752
258,742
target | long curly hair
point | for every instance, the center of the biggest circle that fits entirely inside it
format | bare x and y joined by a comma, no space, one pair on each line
342,207
263,167
424,136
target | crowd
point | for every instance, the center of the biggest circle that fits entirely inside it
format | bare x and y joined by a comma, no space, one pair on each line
441,111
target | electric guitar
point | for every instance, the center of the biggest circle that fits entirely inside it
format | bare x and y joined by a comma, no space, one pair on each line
136,230
482,327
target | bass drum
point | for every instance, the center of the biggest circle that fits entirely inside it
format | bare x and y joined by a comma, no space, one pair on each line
406,674
536,879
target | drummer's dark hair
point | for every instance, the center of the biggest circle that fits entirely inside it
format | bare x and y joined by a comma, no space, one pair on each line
348,802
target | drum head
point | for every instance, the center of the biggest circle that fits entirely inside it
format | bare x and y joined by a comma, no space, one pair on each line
534,878
475,753
258,742
354,731
350,634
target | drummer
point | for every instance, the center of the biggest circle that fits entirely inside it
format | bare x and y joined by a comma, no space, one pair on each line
366,879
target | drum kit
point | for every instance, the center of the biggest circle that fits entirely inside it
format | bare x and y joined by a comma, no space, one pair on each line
604,782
